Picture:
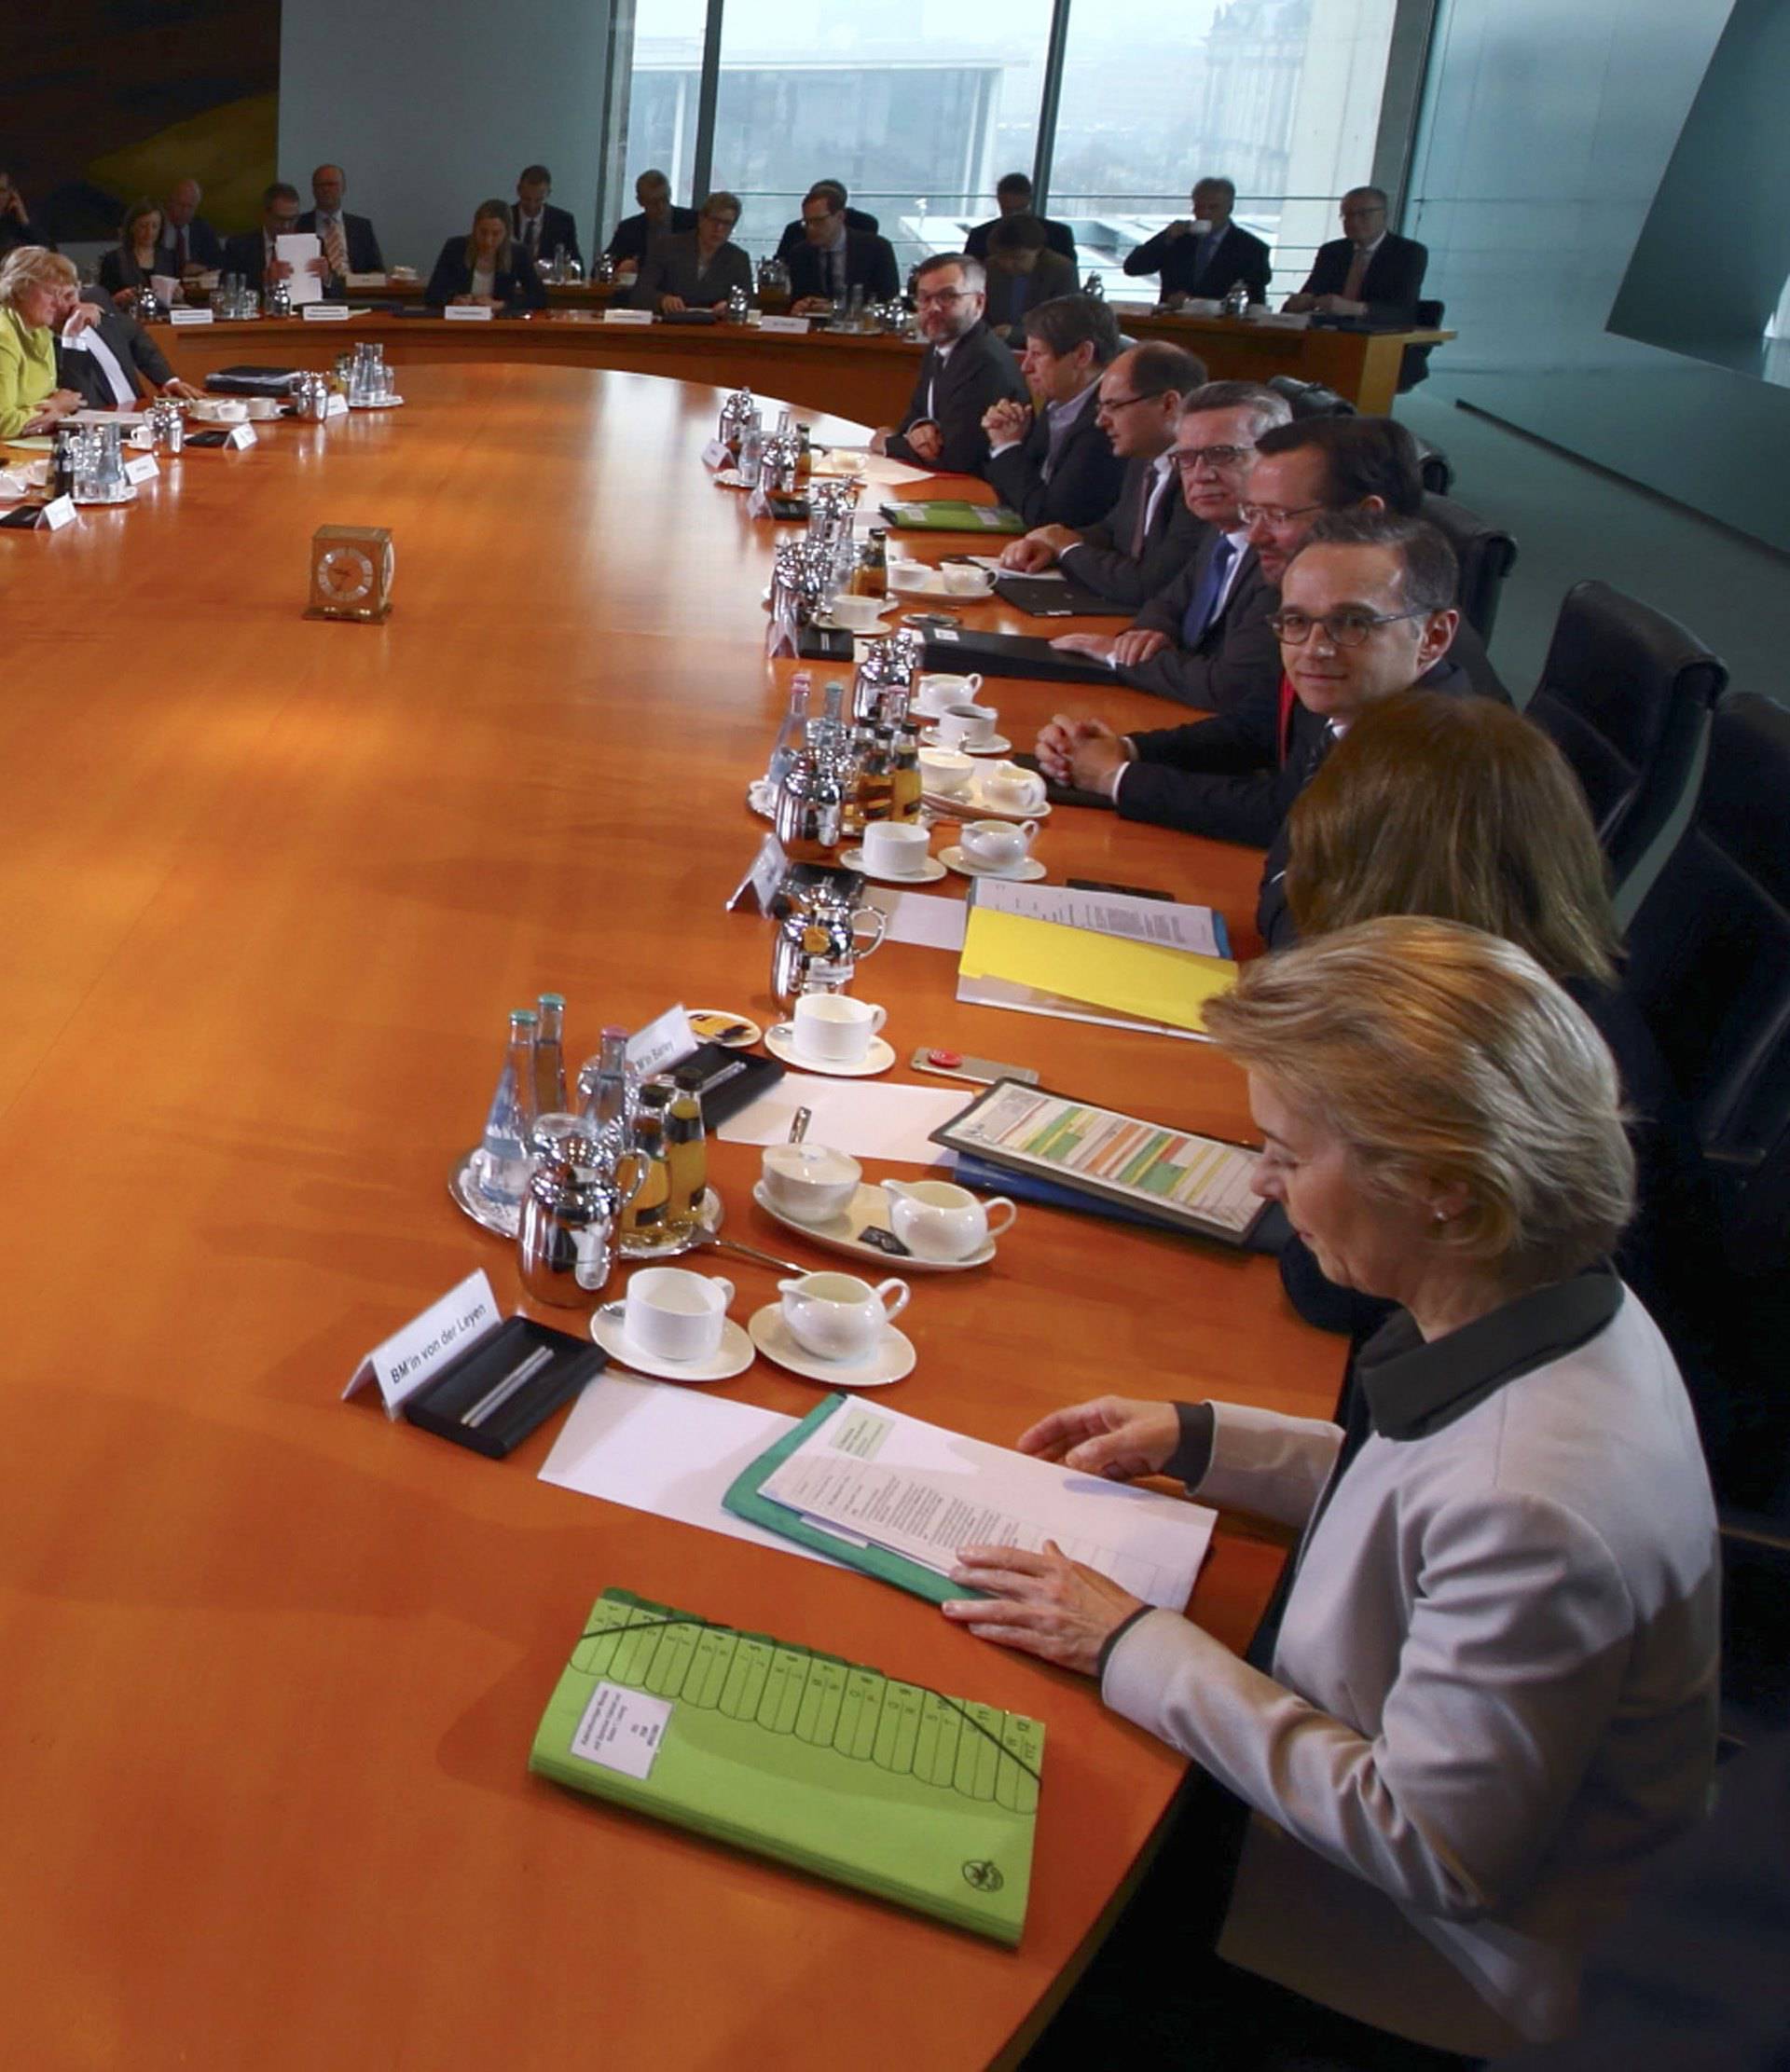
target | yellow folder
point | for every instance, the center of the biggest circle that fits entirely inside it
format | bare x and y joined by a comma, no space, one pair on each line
1146,979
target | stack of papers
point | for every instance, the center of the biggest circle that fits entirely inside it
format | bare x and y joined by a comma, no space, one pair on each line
1094,956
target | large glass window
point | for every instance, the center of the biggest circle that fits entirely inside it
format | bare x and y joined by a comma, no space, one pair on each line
662,96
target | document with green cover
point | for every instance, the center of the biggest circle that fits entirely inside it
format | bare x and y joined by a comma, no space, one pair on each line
900,1790
948,514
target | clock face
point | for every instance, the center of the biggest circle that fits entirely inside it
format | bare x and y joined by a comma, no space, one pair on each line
346,574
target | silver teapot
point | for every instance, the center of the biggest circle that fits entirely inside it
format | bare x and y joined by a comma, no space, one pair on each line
817,946
565,1239
809,813
883,684
309,397
276,299
167,426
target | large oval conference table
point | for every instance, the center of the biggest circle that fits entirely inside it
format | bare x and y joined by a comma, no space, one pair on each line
270,1664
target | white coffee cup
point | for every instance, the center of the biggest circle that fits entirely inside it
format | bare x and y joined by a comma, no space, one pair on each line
859,613
1007,785
839,1316
966,726
811,1182
263,407
220,410
996,844
833,1028
937,692
676,1315
963,579
945,771
939,1220
895,848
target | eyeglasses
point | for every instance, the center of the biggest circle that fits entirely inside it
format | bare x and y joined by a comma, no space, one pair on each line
1342,629
940,295
723,222
1274,514
1106,403
1189,458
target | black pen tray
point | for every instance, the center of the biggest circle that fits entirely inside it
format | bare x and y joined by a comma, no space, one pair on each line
440,1404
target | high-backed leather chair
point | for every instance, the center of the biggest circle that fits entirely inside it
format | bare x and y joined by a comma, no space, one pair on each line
1485,551
1624,692
1414,362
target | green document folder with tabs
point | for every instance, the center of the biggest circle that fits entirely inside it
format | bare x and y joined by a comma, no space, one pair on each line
943,514
923,1799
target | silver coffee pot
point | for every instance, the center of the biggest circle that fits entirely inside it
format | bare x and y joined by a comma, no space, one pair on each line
818,945
276,299
565,1241
310,396
166,425
882,683
809,811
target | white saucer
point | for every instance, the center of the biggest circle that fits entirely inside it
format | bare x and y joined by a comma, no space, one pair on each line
733,1356
971,805
889,1360
996,743
828,623
929,873
750,1031
1027,872
779,1042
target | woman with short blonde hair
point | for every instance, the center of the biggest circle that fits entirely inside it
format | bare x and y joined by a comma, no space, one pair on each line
32,283
1492,1695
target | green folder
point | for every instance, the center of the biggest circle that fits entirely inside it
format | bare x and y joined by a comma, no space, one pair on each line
945,515
897,1789
744,1500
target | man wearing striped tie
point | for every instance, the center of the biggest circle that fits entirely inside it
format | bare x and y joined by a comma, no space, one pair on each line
350,245
1368,271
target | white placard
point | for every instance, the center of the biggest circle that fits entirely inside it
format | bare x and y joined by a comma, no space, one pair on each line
242,435
621,1730
628,316
442,1333
298,248
364,279
715,454
145,469
763,877
786,324
183,317
325,312
59,511
664,1042
468,312
167,288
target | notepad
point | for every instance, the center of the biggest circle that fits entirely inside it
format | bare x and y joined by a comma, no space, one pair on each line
836,1768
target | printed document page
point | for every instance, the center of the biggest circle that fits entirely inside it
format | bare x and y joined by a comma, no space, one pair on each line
1119,914
298,248
924,1492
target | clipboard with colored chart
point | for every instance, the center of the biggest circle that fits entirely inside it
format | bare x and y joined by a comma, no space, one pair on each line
1192,1182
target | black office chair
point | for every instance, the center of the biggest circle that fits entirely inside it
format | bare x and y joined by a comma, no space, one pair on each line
1310,399
1486,555
1624,692
1413,366
1709,964
1436,468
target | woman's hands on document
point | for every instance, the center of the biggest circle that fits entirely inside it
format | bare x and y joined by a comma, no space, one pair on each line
1044,1603
1114,1435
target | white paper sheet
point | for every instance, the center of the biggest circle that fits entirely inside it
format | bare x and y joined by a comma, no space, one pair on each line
657,1447
1114,913
298,249
924,1492
857,1115
920,917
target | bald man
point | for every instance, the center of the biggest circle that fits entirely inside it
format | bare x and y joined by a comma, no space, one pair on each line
189,245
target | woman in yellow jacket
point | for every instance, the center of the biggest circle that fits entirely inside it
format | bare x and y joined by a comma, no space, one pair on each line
31,281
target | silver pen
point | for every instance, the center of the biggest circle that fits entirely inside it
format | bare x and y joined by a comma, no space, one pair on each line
500,1392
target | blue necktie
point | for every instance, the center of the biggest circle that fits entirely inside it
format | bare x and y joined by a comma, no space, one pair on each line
1205,604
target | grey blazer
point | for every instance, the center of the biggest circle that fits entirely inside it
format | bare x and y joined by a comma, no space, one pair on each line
673,266
1103,560
1493,1694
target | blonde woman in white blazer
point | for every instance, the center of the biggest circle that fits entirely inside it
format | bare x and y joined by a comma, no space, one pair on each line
1493,1693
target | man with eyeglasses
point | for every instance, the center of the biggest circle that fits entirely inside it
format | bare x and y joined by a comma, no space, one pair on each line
254,254
696,269
1205,255
1368,271
1367,609
965,371
1053,461
636,235
1149,535
1204,640
833,258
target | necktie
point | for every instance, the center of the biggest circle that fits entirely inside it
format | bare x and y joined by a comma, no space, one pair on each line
180,250
1203,262
1203,606
1358,274
533,236
334,249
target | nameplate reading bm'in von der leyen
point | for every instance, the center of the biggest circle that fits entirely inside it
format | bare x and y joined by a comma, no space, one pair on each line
445,1329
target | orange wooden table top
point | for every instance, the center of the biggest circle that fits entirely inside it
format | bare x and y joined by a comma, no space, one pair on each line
271,1664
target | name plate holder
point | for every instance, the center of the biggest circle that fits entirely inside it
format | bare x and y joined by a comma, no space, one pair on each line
336,404
325,312
664,1042
242,435
443,1332
145,468
628,316
180,318
468,312
788,326
59,511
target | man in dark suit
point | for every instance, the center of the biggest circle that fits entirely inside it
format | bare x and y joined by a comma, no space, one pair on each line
1370,271
189,244
349,243
103,360
795,234
1023,272
1205,255
1205,640
965,369
543,232
1149,535
656,219
1013,198
833,258
1052,462
251,253
1365,611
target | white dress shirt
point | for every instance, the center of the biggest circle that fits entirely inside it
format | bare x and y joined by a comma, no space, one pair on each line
124,392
